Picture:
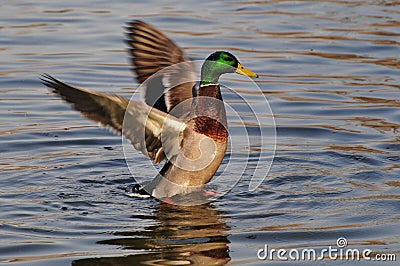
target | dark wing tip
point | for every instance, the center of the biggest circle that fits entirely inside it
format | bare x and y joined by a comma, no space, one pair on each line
134,22
45,78
49,81
52,83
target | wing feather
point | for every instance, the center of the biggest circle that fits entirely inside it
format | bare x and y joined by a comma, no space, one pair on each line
152,54
138,122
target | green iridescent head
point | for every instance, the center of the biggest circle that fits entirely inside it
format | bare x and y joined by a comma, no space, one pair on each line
219,63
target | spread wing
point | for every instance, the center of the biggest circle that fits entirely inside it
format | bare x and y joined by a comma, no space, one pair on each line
151,52
138,122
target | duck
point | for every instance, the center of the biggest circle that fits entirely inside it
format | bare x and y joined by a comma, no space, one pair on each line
180,120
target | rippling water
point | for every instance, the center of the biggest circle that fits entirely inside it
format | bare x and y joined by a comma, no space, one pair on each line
329,69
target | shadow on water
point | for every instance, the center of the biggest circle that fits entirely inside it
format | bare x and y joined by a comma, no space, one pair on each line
182,235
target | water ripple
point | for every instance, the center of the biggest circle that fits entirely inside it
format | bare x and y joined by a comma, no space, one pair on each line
329,69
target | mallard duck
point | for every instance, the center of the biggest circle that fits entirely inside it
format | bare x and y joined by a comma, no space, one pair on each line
193,141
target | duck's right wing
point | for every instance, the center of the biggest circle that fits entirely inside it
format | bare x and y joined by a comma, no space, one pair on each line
148,129
154,55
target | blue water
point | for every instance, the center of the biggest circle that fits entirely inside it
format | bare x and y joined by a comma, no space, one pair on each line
330,72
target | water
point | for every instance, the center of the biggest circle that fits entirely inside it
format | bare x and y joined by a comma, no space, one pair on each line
330,71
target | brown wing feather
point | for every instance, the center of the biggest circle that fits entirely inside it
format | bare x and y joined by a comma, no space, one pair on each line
106,109
144,123
152,51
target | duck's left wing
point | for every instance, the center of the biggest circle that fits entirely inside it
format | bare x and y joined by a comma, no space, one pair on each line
148,129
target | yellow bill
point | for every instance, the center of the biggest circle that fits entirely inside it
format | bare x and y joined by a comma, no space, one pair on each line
244,71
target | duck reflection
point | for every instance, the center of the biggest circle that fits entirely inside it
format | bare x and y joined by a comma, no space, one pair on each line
182,235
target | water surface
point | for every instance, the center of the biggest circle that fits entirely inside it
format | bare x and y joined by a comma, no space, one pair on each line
329,69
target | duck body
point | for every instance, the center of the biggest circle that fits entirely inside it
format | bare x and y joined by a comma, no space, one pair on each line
194,142
203,147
